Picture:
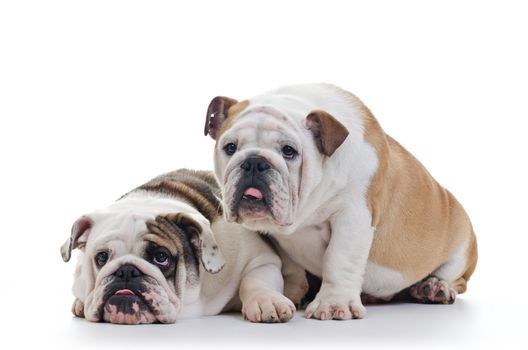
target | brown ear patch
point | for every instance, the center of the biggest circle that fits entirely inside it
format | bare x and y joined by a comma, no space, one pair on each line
217,113
328,132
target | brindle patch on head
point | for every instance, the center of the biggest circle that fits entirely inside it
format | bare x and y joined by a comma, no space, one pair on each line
164,234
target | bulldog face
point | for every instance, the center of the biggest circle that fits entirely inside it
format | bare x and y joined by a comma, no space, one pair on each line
261,163
135,270
267,160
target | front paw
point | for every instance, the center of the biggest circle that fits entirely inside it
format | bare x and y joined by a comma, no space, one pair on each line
336,306
78,308
269,307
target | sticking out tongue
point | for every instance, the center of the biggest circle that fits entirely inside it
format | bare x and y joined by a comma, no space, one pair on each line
124,292
253,192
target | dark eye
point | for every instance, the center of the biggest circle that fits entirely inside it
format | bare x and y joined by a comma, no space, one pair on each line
101,258
289,152
161,259
230,149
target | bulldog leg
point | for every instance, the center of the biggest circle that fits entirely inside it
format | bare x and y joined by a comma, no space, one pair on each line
78,308
261,298
450,279
344,264
432,290
295,282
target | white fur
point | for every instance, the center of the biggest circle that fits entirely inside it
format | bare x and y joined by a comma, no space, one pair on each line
455,265
382,282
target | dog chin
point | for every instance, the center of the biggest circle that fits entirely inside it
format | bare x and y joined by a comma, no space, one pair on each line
252,210
127,309
256,217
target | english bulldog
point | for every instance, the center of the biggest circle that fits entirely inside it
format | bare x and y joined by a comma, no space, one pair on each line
164,252
311,166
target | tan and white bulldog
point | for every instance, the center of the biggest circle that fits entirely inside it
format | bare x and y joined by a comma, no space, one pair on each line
141,258
311,166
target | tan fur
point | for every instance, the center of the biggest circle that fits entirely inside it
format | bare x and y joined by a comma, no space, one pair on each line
418,224
233,111
328,132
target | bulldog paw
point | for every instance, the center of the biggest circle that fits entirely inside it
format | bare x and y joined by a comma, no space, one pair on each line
332,307
78,308
433,290
268,307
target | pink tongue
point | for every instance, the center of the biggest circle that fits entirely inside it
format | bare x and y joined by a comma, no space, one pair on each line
124,292
253,192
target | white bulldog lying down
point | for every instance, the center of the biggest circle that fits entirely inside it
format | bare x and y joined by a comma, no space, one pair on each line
164,252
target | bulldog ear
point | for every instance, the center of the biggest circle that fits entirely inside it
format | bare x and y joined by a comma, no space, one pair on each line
79,234
202,240
217,114
328,132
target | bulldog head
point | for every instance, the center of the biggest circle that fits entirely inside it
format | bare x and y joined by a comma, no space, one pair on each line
136,270
269,157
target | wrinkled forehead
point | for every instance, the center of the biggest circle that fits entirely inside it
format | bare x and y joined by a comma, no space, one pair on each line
262,125
120,232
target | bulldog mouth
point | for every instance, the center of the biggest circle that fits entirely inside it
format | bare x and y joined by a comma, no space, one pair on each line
127,306
253,193
124,292
252,203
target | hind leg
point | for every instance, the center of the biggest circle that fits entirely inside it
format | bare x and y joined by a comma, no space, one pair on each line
449,279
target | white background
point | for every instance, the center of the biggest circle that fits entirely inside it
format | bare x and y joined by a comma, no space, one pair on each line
97,97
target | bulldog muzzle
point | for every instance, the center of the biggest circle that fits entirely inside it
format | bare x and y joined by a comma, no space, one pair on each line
124,300
253,195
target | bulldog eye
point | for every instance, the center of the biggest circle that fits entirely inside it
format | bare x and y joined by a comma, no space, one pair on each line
161,259
230,149
101,258
289,152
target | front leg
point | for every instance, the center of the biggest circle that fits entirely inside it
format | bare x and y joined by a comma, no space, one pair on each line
344,264
260,293
295,281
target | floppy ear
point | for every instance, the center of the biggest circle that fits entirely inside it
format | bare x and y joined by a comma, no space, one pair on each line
328,132
79,234
217,114
201,238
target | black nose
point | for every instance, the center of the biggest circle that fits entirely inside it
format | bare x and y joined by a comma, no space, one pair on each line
253,164
128,272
